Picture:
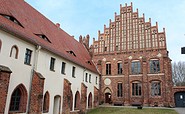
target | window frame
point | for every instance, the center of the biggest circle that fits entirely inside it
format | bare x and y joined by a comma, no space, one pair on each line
86,77
28,54
52,64
159,91
108,68
89,78
136,89
155,66
63,68
119,68
135,67
119,89
73,71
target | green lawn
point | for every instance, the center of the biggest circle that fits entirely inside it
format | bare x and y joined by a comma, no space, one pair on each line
123,110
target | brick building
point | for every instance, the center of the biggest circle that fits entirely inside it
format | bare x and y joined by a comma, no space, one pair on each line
132,56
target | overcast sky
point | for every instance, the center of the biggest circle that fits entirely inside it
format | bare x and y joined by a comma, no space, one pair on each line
82,17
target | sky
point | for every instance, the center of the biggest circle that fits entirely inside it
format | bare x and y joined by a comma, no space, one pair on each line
82,17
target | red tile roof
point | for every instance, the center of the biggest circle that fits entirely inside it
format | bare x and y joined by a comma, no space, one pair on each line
33,23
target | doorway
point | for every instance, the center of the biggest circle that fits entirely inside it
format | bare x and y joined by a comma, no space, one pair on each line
180,99
108,98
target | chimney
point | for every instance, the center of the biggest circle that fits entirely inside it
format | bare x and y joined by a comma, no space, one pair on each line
80,39
58,25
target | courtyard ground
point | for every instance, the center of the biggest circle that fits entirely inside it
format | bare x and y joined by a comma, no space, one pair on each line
131,110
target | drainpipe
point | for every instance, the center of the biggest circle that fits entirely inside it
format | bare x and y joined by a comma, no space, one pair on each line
34,68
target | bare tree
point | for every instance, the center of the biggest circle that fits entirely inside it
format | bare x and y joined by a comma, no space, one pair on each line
178,73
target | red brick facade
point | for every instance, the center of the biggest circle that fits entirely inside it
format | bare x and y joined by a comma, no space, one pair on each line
129,40
36,100
96,97
83,102
4,84
67,98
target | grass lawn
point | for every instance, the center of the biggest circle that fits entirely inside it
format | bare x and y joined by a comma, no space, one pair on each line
123,110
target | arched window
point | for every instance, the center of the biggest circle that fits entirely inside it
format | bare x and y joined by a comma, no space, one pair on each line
0,45
14,52
90,100
18,99
46,102
77,101
56,105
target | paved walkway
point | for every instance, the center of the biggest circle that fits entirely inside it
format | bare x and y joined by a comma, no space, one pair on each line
180,110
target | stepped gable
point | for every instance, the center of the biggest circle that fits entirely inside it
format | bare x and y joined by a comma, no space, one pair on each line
129,32
32,26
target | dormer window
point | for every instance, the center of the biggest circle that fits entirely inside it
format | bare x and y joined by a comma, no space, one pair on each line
89,62
43,37
11,18
72,53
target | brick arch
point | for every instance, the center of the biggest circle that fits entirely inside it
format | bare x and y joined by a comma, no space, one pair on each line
16,51
46,102
90,100
23,99
77,101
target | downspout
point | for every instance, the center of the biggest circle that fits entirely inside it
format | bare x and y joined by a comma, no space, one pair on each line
34,68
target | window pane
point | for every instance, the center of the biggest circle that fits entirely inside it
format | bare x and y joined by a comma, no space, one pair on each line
52,64
155,88
154,66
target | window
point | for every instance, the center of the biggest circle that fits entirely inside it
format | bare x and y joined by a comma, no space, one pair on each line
89,78
0,45
11,18
43,37
63,67
120,68
119,90
155,88
108,69
14,52
71,52
154,66
28,57
86,77
73,72
96,80
15,100
136,67
18,100
52,64
136,89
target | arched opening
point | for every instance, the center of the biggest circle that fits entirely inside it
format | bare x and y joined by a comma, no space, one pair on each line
46,102
77,101
108,96
90,100
56,105
179,99
18,100
14,52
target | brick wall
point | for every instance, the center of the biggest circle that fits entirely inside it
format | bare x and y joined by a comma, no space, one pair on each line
164,76
83,97
36,100
67,98
4,84
96,97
